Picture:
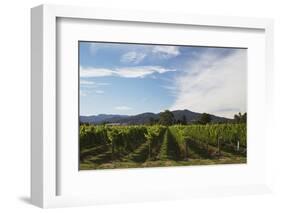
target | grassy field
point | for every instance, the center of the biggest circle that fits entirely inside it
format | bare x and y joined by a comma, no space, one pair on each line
110,147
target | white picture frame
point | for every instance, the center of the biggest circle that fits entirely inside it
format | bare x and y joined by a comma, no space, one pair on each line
45,168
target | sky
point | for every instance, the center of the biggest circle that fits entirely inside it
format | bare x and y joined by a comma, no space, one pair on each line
129,79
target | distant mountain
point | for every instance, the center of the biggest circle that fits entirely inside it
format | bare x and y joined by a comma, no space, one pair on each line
146,118
100,118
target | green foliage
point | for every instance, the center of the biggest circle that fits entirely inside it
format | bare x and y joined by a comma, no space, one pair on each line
170,148
142,144
166,118
183,120
239,118
227,134
149,149
205,118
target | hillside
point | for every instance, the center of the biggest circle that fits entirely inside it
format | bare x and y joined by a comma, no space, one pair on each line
145,118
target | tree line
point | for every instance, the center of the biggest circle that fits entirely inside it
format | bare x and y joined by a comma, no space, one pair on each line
167,118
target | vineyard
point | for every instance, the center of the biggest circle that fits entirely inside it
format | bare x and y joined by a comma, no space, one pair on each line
107,147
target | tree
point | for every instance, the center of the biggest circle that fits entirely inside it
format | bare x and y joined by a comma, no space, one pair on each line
152,121
239,118
244,117
204,118
183,120
166,118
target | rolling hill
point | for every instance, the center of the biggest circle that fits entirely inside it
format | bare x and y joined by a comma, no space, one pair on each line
145,118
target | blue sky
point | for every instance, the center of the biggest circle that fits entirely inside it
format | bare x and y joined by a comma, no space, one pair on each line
130,79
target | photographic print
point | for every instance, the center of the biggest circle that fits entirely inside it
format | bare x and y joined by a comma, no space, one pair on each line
157,105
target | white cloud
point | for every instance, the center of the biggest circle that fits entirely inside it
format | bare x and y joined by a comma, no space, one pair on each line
99,91
214,84
166,51
141,71
132,57
84,82
123,108
126,72
173,89
91,84
95,72
103,84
